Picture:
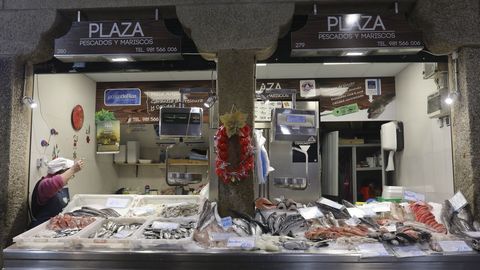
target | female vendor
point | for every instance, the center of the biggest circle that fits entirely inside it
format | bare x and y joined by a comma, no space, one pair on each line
50,195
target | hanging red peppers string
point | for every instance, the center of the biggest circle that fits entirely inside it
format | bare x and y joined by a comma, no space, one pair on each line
233,128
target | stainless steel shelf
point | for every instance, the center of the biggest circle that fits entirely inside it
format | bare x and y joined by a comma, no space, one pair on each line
359,169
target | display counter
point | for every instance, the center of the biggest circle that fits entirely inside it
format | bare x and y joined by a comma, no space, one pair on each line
16,258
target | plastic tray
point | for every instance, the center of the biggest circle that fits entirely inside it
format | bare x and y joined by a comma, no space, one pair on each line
31,240
83,240
139,242
159,200
120,203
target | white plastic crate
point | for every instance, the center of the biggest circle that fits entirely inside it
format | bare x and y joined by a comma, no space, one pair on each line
84,241
152,205
119,203
36,237
140,242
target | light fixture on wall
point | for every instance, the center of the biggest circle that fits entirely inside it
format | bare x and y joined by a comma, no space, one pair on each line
212,97
451,97
28,80
210,101
30,102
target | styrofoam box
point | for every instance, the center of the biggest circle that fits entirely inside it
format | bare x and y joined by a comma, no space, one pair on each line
159,200
31,240
83,240
120,203
139,241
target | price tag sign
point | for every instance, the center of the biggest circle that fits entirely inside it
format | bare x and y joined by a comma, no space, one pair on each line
331,203
354,221
454,246
159,225
381,207
227,222
221,236
356,212
391,228
408,251
372,250
310,212
241,242
413,196
458,201
473,234
117,202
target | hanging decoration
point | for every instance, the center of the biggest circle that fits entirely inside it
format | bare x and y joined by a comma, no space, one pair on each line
87,132
77,117
233,130
46,143
75,143
55,152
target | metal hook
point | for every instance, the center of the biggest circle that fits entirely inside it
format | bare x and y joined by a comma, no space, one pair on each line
396,7
314,9
156,14
78,16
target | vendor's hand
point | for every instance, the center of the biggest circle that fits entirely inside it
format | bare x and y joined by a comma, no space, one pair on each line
78,165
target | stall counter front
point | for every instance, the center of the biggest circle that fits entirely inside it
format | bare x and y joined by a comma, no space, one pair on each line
16,258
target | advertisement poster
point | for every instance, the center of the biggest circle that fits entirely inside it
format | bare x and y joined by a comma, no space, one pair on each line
108,137
123,97
358,99
341,99
143,107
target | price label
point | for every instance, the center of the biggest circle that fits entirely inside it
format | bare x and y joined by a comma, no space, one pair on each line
372,250
458,201
227,222
454,246
473,234
408,251
331,203
381,207
310,212
241,242
354,221
117,202
391,228
356,212
221,236
413,196
159,225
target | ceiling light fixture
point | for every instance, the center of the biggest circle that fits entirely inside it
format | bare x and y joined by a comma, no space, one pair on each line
355,53
344,63
119,59
30,102
261,64
352,18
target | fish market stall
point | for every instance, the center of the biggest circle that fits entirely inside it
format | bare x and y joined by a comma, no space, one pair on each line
138,231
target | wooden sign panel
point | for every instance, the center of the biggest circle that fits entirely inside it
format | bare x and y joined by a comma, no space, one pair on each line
137,39
372,33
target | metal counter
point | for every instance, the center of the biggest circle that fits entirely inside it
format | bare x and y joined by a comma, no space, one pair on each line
15,258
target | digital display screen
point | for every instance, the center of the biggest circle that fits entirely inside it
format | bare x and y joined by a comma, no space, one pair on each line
296,119
181,118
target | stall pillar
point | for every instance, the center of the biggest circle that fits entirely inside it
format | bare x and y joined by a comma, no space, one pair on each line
236,88
14,134
446,30
466,128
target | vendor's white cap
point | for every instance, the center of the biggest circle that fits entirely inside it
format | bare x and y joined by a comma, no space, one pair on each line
59,164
